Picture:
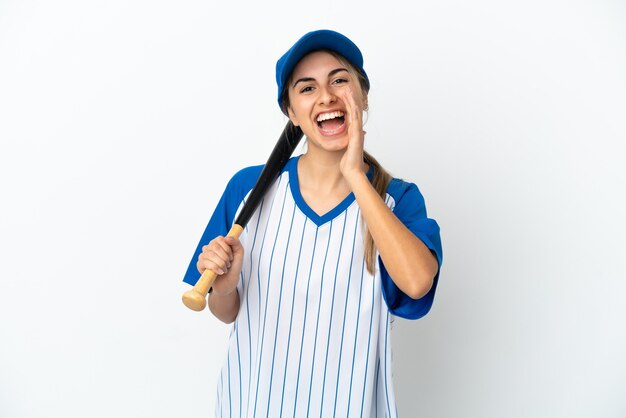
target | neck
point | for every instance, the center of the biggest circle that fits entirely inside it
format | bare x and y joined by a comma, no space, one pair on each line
321,171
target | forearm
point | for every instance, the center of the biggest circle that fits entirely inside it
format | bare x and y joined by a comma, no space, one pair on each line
408,261
225,307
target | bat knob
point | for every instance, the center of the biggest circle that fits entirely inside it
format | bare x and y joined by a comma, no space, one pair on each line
194,300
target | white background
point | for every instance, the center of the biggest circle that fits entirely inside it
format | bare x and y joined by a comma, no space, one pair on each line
121,121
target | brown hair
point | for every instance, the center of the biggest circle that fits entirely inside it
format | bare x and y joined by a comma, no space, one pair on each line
381,177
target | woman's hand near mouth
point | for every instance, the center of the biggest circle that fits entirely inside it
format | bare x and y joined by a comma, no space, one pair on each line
352,163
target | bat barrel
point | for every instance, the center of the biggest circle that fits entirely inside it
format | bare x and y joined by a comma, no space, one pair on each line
283,149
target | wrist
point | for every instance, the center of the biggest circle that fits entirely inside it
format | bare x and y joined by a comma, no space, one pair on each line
222,293
356,178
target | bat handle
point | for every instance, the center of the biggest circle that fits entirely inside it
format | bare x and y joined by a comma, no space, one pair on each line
195,299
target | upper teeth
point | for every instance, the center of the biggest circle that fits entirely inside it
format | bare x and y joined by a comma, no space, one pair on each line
331,115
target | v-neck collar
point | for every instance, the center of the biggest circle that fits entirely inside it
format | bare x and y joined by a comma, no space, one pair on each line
319,220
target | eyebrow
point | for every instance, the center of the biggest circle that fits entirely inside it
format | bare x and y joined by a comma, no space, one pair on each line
330,74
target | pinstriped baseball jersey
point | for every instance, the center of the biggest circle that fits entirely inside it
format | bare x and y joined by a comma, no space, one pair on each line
312,336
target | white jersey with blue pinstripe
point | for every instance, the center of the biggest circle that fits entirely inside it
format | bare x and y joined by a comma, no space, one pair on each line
312,336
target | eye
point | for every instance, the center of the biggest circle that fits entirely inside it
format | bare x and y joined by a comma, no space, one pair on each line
340,81
306,89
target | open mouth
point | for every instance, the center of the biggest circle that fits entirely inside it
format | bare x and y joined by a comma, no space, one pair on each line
331,121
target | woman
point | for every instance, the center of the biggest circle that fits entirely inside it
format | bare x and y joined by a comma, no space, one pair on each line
335,249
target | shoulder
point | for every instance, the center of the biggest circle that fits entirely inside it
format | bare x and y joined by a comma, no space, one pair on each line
404,191
244,180
246,175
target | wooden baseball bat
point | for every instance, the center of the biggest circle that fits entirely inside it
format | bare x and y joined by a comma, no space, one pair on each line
195,298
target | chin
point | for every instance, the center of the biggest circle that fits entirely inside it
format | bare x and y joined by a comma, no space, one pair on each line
332,146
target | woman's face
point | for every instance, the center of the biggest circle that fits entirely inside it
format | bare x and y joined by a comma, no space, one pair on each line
316,96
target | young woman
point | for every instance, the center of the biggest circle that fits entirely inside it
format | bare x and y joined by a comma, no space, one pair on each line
335,249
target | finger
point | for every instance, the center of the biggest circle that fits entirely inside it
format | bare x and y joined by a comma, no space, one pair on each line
355,124
353,105
223,251
220,258
217,254
347,98
217,262
233,242
223,248
204,264
214,267
354,112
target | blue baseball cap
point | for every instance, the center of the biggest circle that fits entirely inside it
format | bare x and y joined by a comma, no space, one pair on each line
319,39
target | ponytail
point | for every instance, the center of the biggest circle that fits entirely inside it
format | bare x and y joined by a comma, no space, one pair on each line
380,181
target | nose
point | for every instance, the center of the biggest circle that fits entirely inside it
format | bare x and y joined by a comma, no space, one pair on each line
326,96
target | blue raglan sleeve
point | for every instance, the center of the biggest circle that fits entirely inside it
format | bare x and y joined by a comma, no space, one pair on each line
410,208
223,216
